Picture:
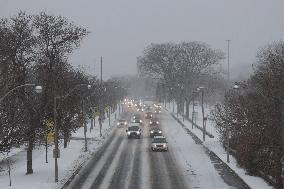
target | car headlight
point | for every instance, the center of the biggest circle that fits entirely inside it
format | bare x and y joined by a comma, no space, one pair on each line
125,123
160,131
151,122
151,131
140,121
138,132
157,122
117,123
128,133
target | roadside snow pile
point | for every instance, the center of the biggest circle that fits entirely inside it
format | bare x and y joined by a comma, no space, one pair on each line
71,158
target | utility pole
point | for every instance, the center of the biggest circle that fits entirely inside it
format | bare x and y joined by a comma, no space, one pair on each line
228,57
101,98
193,110
203,121
101,69
55,152
85,127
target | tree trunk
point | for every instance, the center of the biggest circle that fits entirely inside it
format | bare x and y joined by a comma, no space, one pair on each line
92,124
30,156
187,103
66,138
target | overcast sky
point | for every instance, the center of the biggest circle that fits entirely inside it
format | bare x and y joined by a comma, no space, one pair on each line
121,29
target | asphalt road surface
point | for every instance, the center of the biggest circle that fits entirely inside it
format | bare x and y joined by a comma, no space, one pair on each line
129,163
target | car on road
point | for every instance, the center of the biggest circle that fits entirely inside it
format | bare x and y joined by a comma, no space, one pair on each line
121,122
133,131
136,116
147,107
137,120
159,143
154,122
148,115
155,132
140,109
157,110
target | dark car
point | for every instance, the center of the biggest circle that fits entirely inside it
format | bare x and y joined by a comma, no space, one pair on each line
121,122
149,115
154,123
157,110
137,120
155,132
136,116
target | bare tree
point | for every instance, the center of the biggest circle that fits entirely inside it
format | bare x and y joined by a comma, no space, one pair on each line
179,66
254,115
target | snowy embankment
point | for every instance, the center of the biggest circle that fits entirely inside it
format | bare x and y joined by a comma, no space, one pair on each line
70,159
215,146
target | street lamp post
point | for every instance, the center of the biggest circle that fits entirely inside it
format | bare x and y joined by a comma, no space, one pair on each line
193,111
202,106
85,127
38,89
101,110
228,133
228,145
56,152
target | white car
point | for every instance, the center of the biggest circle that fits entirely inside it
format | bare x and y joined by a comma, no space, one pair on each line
133,131
121,122
159,143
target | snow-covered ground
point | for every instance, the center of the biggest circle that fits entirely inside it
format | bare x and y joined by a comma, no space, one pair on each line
71,157
197,167
214,145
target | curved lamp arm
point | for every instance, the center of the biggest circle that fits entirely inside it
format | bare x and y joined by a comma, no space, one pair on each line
68,94
12,90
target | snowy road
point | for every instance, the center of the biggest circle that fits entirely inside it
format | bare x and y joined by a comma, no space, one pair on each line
129,163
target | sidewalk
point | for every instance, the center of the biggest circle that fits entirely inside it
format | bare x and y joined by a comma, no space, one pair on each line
71,158
216,151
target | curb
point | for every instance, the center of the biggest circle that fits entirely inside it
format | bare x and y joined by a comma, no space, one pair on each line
85,162
82,164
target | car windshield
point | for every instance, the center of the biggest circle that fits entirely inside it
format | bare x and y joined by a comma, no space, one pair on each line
159,140
133,128
156,130
136,116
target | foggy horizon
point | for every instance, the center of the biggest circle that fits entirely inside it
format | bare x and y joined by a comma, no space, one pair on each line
121,30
